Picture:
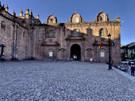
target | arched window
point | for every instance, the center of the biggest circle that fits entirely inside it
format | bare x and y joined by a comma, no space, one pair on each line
51,34
75,33
102,32
101,19
51,20
50,53
3,25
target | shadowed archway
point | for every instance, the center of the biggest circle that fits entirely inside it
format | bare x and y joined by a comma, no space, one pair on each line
75,50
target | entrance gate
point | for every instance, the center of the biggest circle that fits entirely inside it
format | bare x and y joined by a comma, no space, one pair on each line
75,51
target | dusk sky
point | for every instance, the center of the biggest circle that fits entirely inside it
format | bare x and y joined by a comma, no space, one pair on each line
88,9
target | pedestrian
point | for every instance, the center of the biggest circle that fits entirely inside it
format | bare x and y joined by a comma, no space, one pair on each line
129,63
112,62
91,60
73,57
132,69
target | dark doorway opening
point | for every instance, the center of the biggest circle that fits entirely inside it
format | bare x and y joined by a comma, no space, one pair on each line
75,52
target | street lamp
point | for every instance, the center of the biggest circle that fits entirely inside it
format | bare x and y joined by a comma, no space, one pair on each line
110,65
2,57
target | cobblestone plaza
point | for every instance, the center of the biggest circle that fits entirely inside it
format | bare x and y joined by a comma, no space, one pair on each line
63,81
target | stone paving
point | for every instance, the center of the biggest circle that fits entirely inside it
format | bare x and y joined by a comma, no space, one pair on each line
63,81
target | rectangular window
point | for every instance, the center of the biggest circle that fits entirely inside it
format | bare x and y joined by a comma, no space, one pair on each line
50,54
102,54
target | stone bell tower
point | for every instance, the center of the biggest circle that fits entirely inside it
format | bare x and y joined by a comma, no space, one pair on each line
6,8
21,13
118,18
27,14
38,16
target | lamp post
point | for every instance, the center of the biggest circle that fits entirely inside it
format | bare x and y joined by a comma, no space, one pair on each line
2,57
110,64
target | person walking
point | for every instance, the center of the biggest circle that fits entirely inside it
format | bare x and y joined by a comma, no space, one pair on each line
91,60
132,69
74,57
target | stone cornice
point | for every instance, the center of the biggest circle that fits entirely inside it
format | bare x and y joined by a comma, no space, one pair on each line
50,44
104,23
83,24
75,38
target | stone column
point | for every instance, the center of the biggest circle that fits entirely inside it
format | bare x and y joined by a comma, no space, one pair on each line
15,51
13,41
83,51
32,35
68,51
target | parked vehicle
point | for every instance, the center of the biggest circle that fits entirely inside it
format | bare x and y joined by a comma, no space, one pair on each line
123,62
128,61
123,67
131,62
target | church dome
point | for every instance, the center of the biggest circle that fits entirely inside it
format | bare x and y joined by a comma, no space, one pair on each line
51,19
102,17
75,18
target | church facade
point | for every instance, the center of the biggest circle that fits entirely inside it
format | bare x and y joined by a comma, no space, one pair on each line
25,37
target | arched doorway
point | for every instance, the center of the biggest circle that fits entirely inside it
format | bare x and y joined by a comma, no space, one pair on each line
75,50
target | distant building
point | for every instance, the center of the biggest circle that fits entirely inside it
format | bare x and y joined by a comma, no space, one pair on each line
128,51
26,37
